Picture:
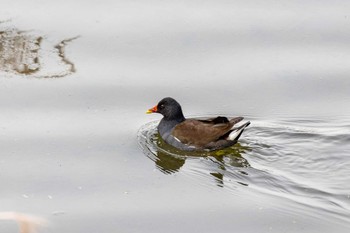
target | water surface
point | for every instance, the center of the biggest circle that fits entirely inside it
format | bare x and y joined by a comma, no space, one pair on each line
71,146
290,158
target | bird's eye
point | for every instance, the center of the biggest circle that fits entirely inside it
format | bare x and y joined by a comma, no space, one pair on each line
161,106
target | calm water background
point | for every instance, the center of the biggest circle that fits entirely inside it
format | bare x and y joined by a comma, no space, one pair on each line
69,146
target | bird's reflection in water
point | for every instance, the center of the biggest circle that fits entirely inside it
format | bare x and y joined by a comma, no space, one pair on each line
167,163
218,164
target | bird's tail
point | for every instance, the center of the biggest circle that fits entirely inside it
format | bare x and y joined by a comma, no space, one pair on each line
237,132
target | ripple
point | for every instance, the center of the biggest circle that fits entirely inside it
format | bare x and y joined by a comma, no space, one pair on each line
303,161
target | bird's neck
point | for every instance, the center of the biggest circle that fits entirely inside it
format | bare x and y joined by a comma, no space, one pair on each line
166,124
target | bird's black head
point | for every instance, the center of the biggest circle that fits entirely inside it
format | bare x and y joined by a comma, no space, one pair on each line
169,108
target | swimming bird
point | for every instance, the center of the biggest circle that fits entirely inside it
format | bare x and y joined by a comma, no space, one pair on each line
195,134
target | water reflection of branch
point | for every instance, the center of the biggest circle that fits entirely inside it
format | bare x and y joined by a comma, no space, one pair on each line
26,223
20,53
61,52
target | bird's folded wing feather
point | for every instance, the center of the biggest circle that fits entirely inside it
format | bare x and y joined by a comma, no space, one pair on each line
199,133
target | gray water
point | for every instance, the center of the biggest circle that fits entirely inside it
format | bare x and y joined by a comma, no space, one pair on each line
78,150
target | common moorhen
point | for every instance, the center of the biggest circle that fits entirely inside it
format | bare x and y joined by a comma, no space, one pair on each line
195,134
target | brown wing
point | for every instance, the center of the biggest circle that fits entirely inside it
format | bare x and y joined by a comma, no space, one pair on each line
200,133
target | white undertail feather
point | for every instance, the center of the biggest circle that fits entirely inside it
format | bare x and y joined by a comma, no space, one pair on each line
236,132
